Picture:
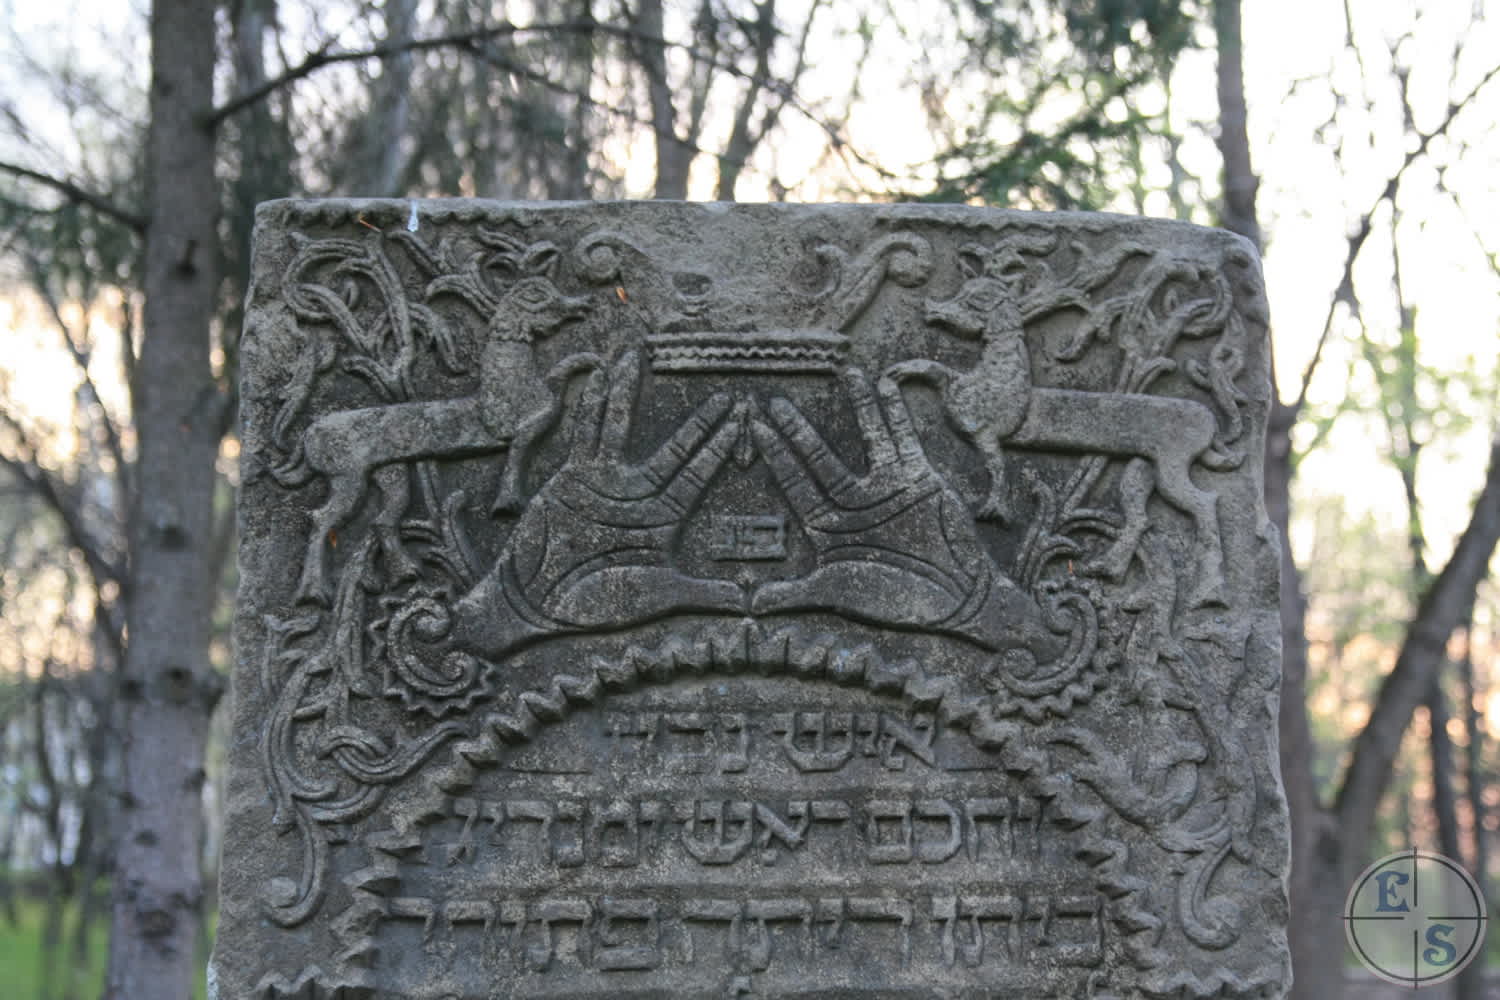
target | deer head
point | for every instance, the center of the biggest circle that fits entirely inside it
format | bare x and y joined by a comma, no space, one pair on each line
988,296
530,305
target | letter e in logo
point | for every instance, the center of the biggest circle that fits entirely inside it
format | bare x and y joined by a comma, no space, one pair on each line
1388,881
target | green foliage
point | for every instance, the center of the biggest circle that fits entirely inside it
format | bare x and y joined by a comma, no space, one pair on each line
1058,123
27,968
1358,601
1154,29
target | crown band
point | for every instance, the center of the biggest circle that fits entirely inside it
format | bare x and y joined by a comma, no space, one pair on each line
806,351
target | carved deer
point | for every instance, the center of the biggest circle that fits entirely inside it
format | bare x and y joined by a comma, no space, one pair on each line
515,403
996,406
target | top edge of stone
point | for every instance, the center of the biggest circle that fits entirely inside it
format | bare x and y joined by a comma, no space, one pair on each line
395,211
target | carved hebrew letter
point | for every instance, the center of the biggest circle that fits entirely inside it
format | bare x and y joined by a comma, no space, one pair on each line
612,953
718,845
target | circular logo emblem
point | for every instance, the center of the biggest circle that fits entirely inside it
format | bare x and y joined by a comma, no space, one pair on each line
1415,918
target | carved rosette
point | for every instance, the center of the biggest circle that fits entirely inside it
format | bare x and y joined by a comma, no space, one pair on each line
525,466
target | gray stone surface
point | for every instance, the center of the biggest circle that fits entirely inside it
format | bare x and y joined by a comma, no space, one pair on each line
666,600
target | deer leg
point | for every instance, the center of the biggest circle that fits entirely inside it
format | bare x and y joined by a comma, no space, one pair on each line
1135,489
935,373
574,364
509,500
344,492
395,497
994,507
1176,487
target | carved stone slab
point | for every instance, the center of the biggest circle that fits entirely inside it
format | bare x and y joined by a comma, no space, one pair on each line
665,600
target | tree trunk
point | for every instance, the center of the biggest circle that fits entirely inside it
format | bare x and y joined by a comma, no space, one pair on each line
168,686
1316,897
674,158
390,122
1329,846
1470,982
742,138
1438,615
1444,773
1240,182
576,165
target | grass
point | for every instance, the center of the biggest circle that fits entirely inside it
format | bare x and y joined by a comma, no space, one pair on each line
25,969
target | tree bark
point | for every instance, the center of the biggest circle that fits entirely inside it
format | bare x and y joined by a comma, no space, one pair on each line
1471,980
1468,984
674,158
391,122
1240,181
168,685
1444,791
742,139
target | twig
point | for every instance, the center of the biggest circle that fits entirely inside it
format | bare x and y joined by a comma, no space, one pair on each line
473,41
80,358
324,56
45,487
103,206
1345,289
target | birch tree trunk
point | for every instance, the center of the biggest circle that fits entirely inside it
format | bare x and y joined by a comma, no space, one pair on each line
168,685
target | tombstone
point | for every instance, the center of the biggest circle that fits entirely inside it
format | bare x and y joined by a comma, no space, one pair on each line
669,600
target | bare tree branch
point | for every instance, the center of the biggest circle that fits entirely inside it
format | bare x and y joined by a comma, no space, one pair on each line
1344,291
81,362
741,138
701,79
43,485
325,56
127,349
624,114
75,193
773,112
673,154
474,41
1439,613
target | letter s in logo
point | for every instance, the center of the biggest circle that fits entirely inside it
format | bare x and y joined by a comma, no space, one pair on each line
1440,951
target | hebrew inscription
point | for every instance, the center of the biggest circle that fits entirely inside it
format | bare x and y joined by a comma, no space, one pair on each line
663,600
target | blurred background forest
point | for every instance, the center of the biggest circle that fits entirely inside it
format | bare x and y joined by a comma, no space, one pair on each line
1357,143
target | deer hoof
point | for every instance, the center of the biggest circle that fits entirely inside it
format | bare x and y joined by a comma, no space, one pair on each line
505,505
1105,567
1207,592
994,510
400,567
312,591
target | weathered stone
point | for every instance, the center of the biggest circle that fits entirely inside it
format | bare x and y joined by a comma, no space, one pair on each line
663,600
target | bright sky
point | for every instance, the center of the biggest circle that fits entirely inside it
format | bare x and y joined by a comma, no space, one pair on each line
1309,203
1308,200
